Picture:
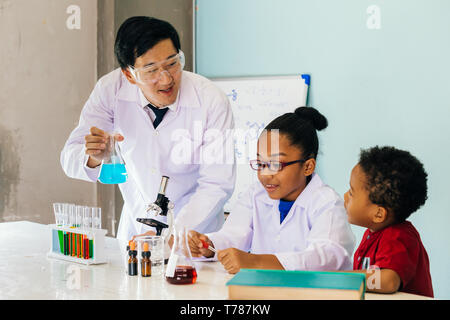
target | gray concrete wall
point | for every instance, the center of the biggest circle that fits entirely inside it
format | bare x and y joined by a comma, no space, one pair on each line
178,12
108,196
48,72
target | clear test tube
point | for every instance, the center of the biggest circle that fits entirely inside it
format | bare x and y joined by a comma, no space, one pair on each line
58,211
96,218
79,216
72,214
87,218
65,208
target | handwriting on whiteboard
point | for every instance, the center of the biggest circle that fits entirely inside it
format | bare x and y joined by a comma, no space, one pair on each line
255,103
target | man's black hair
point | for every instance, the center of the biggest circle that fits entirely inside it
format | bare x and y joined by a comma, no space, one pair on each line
396,180
137,35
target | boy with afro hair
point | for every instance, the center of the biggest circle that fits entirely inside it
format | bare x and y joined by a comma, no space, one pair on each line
386,187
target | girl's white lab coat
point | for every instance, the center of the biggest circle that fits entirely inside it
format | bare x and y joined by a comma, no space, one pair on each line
198,188
315,235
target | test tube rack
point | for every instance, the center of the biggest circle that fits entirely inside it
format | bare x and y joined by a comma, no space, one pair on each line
98,254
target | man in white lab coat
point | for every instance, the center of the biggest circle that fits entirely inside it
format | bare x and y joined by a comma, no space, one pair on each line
168,122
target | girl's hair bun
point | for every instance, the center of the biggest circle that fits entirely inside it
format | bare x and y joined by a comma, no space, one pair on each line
317,120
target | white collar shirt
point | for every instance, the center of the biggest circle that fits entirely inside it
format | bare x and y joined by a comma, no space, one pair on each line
144,104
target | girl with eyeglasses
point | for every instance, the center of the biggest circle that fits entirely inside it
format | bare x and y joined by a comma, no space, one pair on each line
290,219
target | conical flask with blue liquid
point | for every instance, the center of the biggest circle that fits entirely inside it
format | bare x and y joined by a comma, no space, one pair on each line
113,169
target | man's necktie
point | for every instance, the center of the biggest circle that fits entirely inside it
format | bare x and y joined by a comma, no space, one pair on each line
159,113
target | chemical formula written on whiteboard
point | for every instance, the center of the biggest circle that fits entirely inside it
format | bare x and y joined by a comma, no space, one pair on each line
255,102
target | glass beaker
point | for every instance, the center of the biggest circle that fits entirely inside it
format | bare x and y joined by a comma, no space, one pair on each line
113,169
155,245
181,269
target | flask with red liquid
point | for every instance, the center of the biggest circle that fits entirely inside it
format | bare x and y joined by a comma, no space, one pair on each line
181,269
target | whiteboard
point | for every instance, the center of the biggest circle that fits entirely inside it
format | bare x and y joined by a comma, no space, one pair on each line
255,103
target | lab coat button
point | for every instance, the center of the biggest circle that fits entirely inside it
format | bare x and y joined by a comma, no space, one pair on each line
277,238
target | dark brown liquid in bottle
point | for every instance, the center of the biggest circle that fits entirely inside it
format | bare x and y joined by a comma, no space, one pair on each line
183,275
132,263
146,264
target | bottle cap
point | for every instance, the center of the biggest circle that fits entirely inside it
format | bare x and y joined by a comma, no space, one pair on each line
145,246
132,245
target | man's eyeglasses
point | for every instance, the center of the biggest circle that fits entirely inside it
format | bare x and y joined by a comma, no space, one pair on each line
153,73
275,166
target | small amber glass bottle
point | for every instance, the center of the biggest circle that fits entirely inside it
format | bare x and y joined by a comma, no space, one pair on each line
146,263
132,261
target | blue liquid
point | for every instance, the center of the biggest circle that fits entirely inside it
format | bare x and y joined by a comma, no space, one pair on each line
113,173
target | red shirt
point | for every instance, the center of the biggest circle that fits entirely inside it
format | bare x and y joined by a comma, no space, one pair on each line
399,248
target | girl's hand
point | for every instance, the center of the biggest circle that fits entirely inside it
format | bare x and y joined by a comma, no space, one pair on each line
233,259
196,245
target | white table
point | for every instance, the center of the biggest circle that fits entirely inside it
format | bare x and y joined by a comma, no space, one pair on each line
27,273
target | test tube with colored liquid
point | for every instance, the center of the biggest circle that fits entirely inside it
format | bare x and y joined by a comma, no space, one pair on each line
72,222
96,224
78,236
66,224
58,209
87,224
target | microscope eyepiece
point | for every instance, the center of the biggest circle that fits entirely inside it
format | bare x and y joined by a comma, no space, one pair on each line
163,185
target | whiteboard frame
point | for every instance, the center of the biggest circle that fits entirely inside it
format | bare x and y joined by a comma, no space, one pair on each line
247,78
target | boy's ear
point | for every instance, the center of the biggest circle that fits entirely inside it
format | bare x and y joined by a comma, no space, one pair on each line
309,167
129,76
380,215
